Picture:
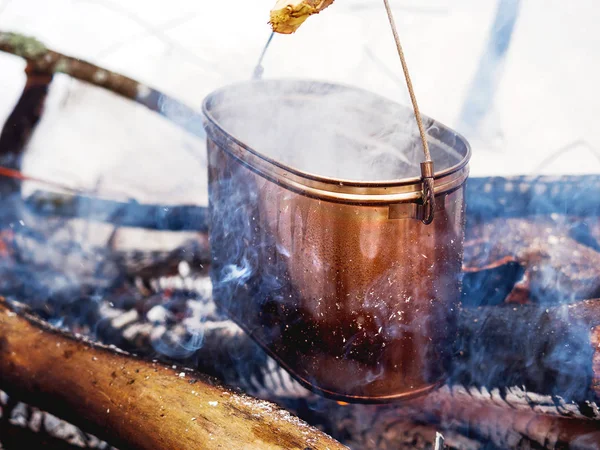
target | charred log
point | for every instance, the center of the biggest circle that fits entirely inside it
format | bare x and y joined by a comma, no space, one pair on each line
136,404
124,214
545,260
16,438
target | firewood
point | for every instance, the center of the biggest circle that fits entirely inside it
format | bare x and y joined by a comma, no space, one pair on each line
133,403
559,266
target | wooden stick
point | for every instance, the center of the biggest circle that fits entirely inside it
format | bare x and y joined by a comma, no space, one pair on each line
43,60
137,404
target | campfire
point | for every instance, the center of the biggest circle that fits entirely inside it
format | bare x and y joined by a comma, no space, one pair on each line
102,346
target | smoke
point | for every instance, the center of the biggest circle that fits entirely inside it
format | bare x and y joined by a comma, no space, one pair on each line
347,135
240,274
53,266
549,351
536,237
327,131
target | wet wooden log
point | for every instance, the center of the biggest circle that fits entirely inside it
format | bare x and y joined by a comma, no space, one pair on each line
137,404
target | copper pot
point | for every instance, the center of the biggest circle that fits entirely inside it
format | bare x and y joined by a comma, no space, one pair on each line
336,277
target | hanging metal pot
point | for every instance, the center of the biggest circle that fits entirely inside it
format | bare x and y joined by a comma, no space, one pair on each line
339,278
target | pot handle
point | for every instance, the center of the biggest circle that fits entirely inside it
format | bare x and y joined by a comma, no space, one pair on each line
427,170
428,191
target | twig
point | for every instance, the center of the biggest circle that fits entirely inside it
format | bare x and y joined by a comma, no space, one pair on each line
44,60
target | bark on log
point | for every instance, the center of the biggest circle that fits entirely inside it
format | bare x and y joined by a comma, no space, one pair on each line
137,404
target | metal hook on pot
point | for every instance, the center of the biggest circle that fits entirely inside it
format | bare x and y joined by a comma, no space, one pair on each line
428,191
427,169
259,69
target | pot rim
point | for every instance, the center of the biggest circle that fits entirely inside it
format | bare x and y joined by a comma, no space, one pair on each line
331,188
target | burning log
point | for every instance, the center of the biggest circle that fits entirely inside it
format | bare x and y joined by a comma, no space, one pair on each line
133,403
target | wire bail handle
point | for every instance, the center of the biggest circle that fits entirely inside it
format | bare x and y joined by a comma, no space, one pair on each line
259,69
427,169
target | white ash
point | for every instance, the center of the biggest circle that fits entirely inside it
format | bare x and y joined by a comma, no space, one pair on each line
33,419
